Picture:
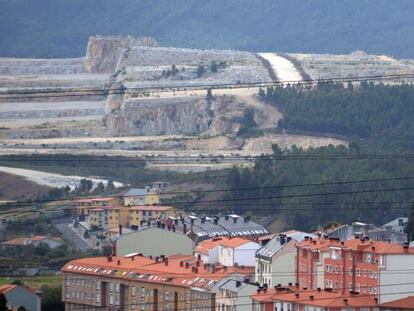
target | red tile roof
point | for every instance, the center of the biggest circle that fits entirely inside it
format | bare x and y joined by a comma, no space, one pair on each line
209,244
317,298
26,240
404,303
8,287
179,271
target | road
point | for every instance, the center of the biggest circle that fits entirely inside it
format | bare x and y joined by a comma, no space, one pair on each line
69,235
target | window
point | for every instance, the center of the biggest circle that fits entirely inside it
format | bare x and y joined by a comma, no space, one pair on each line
358,272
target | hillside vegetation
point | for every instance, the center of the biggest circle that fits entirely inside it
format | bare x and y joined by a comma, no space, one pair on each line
60,28
381,113
378,121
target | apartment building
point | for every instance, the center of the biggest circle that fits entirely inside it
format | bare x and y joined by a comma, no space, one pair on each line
275,262
135,282
85,205
107,217
359,266
234,294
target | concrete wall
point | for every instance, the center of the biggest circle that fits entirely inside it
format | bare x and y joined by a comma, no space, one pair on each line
397,271
243,255
155,242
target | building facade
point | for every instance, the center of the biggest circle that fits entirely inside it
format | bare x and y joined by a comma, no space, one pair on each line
135,282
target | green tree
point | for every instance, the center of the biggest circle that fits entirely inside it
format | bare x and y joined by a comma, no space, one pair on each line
3,302
21,308
213,67
52,298
410,225
201,70
110,187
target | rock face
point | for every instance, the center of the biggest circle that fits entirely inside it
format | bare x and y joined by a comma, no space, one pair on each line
175,116
103,53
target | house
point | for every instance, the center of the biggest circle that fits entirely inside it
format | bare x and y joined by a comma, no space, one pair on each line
359,265
136,282
35,241
141,196
234,294
21,296
280,299
275,262
167,243
404,304
227,251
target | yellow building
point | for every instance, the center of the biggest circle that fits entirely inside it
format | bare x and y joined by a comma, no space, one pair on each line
141,196
109,217
139,214
85,205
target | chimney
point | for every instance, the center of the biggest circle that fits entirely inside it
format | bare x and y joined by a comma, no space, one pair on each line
132,258
282,239
109,258
216,219
238,283
235,220
203,219
118,262
226,217
181,264
162,257
156,258
192,221
259,290
176,221
198,257
150,256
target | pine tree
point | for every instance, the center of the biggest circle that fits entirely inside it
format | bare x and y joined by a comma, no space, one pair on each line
410,225
3,302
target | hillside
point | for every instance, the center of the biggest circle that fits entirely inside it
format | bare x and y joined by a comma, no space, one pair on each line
60,28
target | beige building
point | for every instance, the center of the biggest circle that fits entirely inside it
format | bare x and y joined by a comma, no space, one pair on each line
142,241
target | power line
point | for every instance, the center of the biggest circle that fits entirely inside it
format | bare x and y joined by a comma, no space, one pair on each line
172,88
248,189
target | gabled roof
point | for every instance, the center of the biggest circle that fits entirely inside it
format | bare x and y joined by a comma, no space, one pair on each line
404,303
325,299
209,244
9,287
183,271
27,240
